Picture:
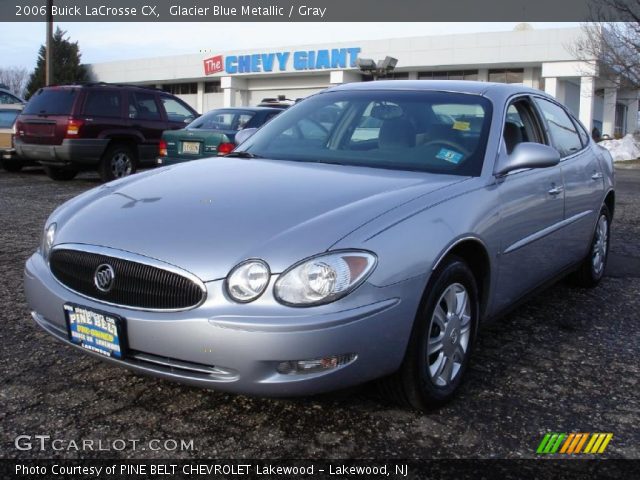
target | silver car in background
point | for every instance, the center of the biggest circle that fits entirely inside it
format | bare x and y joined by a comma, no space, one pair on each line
365,233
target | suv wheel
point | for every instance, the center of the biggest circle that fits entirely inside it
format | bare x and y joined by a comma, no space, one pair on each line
11,165
61,174
117,162
441,342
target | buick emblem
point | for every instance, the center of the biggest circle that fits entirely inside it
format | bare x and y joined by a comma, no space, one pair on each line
104,277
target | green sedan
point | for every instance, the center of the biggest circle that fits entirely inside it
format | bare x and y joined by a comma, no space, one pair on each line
211,134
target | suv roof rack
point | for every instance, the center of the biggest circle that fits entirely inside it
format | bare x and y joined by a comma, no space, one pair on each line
108,84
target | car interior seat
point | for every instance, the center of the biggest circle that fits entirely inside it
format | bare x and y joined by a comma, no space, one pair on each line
397,133
512,136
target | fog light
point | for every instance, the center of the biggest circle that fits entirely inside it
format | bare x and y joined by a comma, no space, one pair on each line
315,365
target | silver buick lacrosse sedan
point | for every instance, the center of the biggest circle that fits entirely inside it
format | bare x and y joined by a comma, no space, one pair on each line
365,233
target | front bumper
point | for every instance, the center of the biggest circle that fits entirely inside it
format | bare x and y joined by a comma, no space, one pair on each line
237,348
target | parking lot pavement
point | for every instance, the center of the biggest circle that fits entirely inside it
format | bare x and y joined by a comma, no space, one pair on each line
567,361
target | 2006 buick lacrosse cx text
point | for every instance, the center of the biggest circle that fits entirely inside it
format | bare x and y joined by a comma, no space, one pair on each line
364,233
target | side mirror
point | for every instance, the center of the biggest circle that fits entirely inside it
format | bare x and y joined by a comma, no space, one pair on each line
528,155
244,135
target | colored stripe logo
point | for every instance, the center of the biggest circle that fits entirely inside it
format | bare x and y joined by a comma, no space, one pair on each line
574,443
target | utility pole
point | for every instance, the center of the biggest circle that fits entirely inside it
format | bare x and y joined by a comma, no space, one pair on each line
48,80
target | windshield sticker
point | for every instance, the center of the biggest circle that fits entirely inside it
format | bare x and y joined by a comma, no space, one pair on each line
449,156
464,126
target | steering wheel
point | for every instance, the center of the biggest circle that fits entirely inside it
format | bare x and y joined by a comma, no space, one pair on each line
448,143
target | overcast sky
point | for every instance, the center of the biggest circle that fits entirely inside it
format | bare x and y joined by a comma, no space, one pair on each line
101,42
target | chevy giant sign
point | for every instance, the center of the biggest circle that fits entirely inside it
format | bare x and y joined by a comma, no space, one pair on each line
280,61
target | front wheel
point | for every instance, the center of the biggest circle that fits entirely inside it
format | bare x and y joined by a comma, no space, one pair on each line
441,342
117,162
593,266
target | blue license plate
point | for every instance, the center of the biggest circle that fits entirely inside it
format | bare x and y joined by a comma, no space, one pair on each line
99,332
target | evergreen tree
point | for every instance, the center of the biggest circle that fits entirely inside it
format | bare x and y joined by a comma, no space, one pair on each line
66,64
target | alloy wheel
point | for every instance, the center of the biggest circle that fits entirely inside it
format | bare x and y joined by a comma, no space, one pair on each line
121,165
599,251
449,334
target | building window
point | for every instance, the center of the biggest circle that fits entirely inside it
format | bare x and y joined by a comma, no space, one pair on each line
507,75
181,88
449,75
212,87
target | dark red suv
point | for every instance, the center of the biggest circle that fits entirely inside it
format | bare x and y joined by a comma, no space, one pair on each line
113,128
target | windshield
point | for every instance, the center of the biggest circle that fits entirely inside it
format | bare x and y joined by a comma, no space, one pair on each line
222,120
439,132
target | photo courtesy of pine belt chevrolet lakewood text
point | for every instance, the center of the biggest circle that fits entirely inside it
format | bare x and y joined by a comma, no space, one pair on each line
364,233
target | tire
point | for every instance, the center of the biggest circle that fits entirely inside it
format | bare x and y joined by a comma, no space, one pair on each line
118,161
421,382
594,265
11,165
60,174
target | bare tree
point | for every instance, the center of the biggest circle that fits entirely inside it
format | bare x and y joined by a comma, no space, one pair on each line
15,79
612,39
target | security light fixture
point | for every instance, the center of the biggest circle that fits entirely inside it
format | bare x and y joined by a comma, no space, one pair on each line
377,69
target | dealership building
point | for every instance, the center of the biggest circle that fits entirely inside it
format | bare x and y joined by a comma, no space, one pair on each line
540,59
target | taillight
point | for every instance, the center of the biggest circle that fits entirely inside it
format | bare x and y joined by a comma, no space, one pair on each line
162,148
226,147
73,128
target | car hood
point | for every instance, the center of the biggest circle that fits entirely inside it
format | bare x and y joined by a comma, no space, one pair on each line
208,215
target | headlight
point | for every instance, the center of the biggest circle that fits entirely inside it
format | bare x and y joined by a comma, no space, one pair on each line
248,280
47,239
324,278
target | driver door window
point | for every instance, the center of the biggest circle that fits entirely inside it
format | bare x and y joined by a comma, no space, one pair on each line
521,126
176,112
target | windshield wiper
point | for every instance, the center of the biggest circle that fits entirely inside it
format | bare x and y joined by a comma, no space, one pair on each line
243,155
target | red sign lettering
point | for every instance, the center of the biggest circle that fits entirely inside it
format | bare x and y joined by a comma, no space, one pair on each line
213,65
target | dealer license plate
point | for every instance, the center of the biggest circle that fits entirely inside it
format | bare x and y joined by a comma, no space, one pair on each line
190,147
97,331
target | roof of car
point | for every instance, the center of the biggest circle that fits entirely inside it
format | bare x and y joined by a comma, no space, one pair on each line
106,85
248,109
12,106
462,86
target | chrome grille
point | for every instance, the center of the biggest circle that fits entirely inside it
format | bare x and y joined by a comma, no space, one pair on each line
135,285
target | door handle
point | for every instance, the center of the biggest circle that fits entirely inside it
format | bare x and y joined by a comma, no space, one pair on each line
556,191
596,176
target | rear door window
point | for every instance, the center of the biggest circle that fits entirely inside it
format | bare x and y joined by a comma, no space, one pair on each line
584,136
143,106
563,132
51,101
102,103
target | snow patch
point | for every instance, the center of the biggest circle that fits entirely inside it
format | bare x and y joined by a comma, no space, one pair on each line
627,148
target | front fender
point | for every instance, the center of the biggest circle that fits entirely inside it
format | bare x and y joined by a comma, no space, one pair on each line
410,241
